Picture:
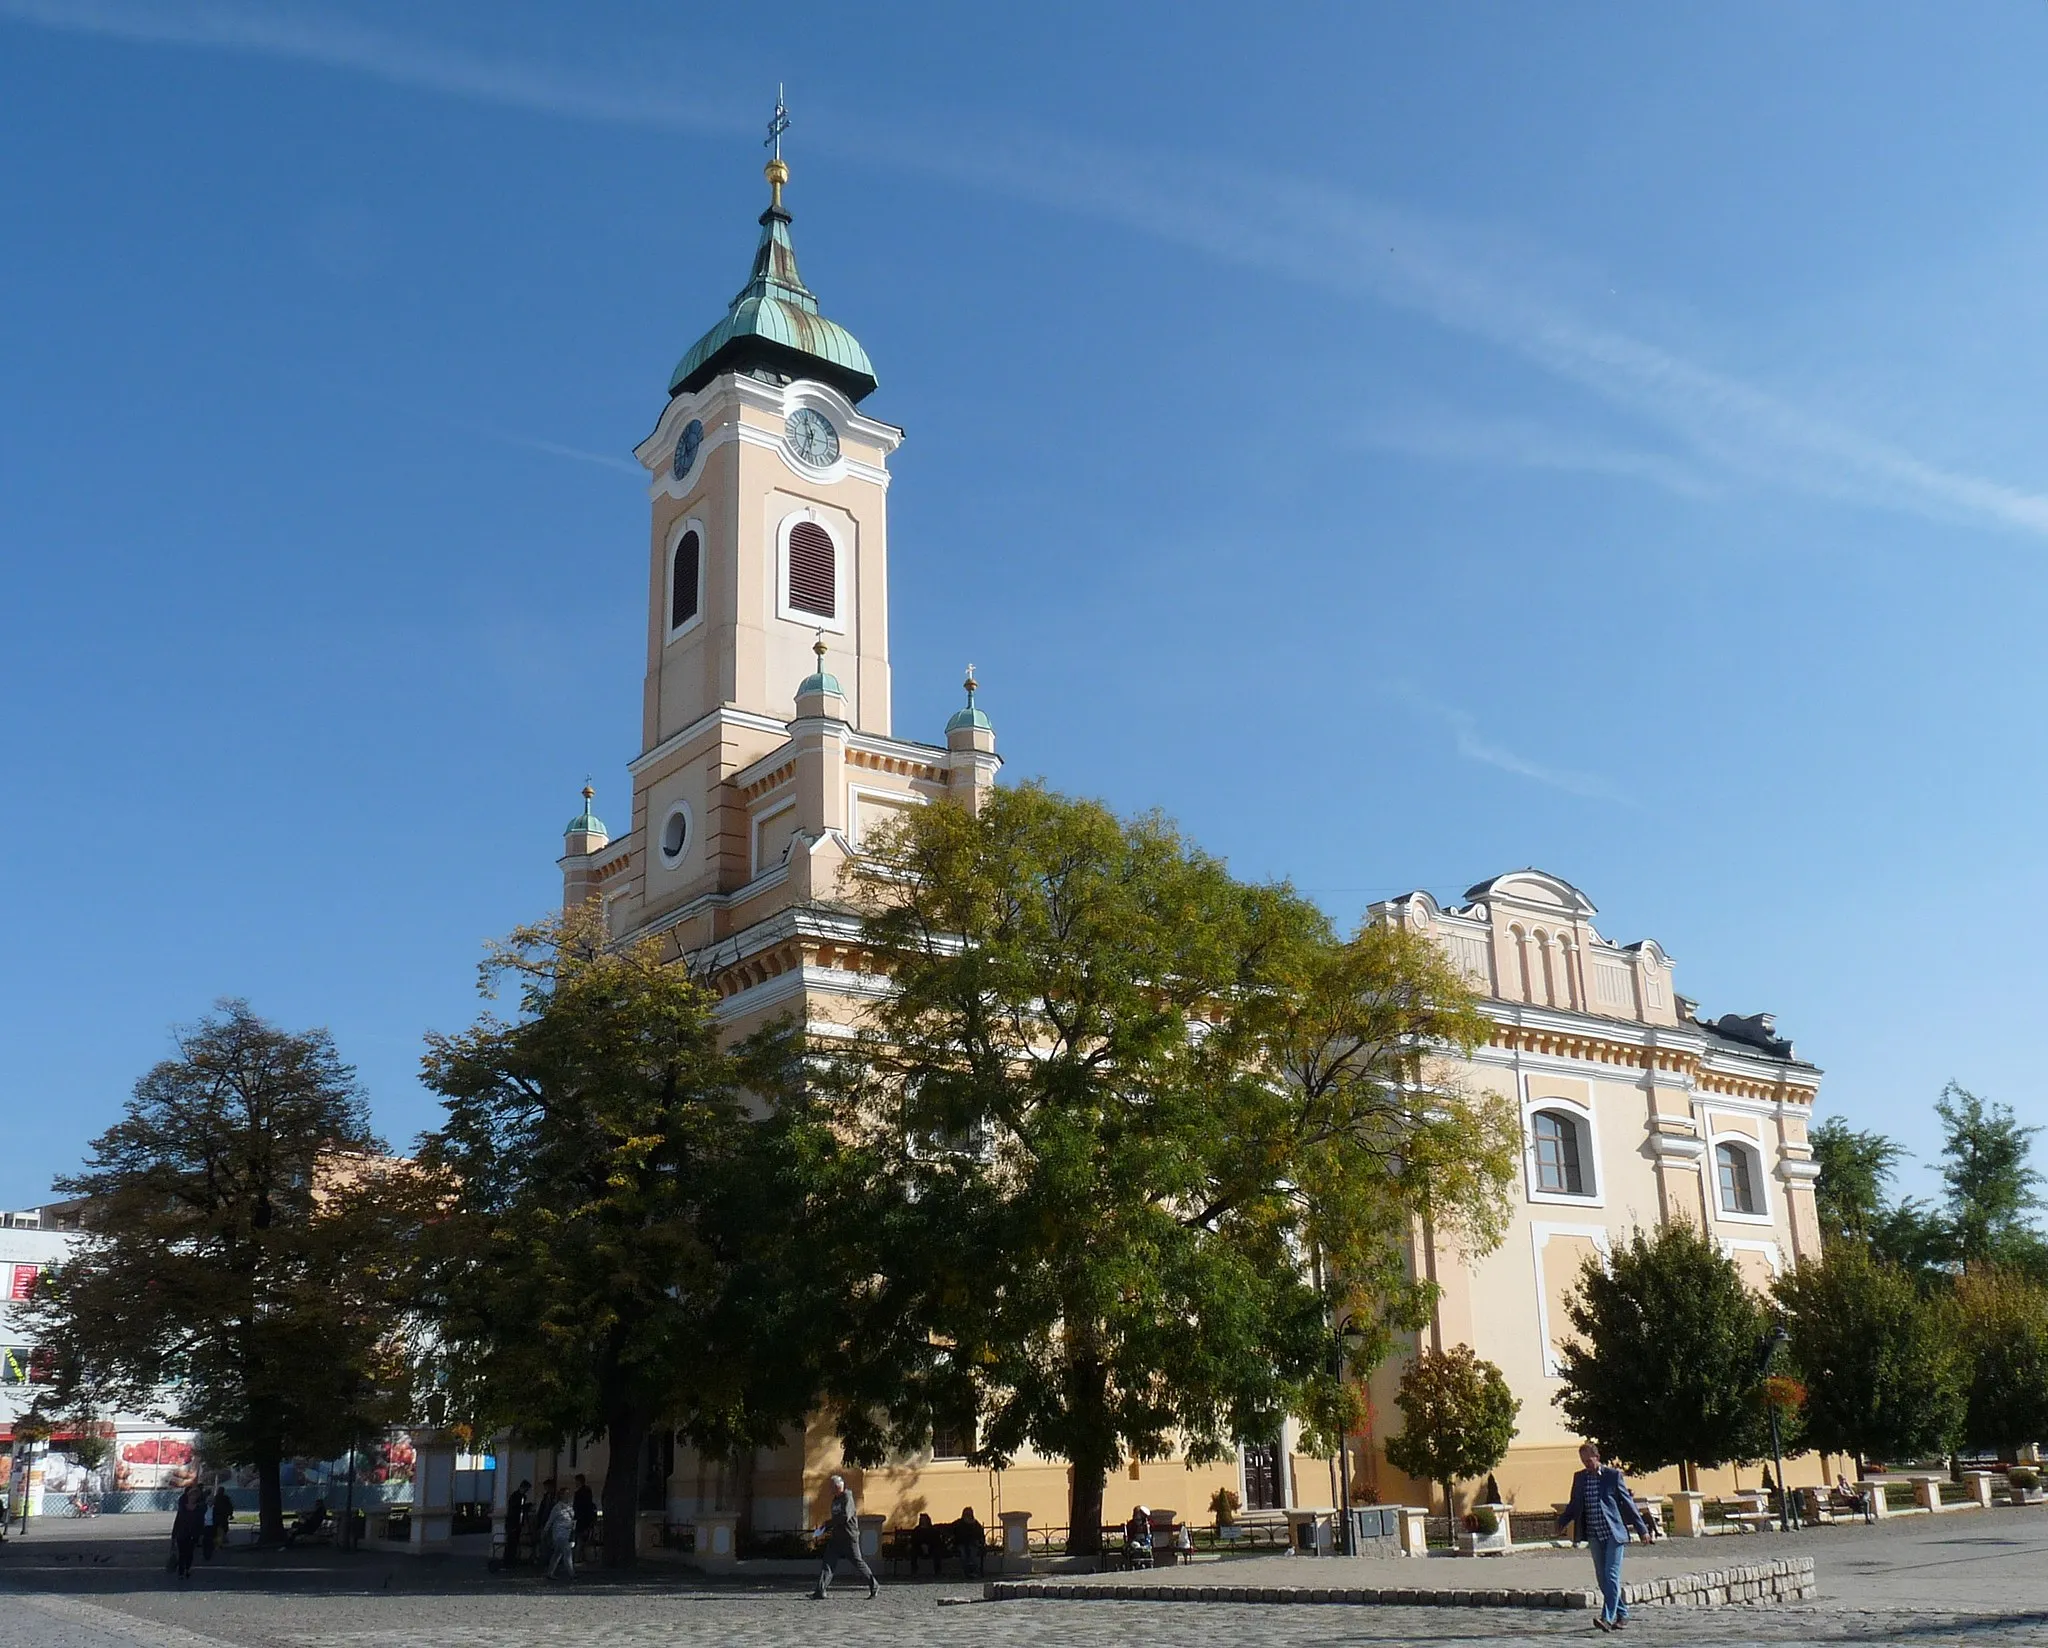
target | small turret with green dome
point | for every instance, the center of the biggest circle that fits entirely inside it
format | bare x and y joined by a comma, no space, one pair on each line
587,823
971,718
821,679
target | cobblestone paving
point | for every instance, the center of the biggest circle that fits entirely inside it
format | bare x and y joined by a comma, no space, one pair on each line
1977,1582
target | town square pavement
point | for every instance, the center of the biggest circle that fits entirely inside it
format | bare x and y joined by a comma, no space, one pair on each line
1976,1577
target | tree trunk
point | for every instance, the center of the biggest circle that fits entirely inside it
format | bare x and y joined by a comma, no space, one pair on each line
1084,1509
270,1495
1091,1449
626,1431
1451,1507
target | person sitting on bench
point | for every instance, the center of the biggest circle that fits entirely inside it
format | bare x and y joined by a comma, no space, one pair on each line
1138,1538
307,1523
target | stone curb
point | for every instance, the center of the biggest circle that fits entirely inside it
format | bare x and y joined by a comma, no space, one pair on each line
1788,1580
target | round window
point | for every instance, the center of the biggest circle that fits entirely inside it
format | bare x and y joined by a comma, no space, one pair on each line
675,834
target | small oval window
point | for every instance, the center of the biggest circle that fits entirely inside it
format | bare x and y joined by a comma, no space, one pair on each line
675,835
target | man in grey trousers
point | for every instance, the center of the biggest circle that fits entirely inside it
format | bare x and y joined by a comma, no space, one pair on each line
841,1533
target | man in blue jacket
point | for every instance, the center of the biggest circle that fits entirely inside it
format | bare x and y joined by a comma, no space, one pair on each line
1604,1511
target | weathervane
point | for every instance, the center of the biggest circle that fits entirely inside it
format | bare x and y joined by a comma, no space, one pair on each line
778,123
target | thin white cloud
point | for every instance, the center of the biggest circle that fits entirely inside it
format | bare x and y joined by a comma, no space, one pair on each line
556,449
1517,444
1474,746
329,39
1319,237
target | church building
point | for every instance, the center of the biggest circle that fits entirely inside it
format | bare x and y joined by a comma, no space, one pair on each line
769,751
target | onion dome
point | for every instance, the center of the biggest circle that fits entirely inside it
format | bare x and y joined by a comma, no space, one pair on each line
586,822
971,717
820,679
773,326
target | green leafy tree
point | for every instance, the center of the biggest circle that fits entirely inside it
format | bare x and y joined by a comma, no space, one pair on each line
2001,1320
242,1262
1992,1185
1884,1377
1851,1195
1121,1097
620,1248
1458,1419
1917,1239
1666,1356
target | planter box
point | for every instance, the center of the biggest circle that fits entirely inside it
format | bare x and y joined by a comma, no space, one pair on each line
1501,1539
2029,1496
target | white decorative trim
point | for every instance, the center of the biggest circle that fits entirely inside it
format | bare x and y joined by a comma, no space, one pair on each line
680,809
1798,1170
1731,1245
1682,1147
1759,1180
1540,1232
856,793
719,402
838,980
900,749
677,533
767,815
1590,1166
724,716
842,572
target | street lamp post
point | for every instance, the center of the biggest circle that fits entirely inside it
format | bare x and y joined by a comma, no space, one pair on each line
1770,1348
1342,1331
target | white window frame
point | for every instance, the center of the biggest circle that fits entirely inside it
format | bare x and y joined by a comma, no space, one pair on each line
1540,1232
766,815
1759,1180
842,576
682,529
1590,1166
689,818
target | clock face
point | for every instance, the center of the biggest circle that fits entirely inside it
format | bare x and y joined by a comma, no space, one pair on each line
687,443
812,437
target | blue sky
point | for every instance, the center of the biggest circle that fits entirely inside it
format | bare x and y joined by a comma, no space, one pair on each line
1401,443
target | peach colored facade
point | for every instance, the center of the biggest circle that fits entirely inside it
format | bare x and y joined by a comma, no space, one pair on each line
768,752
1669,1116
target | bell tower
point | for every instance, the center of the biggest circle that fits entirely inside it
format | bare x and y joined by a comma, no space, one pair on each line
769,523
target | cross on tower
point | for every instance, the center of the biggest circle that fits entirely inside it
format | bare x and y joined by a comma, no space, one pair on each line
778,123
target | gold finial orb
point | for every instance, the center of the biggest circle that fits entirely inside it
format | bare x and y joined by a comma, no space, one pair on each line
589,795
777,174
818,646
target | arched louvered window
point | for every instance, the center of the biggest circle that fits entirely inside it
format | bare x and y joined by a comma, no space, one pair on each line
813,571
683,580
1560,1163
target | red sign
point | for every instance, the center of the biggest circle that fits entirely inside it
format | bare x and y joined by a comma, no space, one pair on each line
24,1282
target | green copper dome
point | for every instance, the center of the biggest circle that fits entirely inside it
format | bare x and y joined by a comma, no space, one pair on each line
820,679
587,822
970,716
774,323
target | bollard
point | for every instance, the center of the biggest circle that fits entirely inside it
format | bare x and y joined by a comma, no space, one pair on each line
1688,1514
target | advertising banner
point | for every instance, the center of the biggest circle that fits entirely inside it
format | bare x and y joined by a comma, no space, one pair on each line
167,1460
23,1285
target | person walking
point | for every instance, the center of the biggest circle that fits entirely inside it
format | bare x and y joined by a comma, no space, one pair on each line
515,1520
1603,1510
560,1540
186,1527
841,1533
220,1517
